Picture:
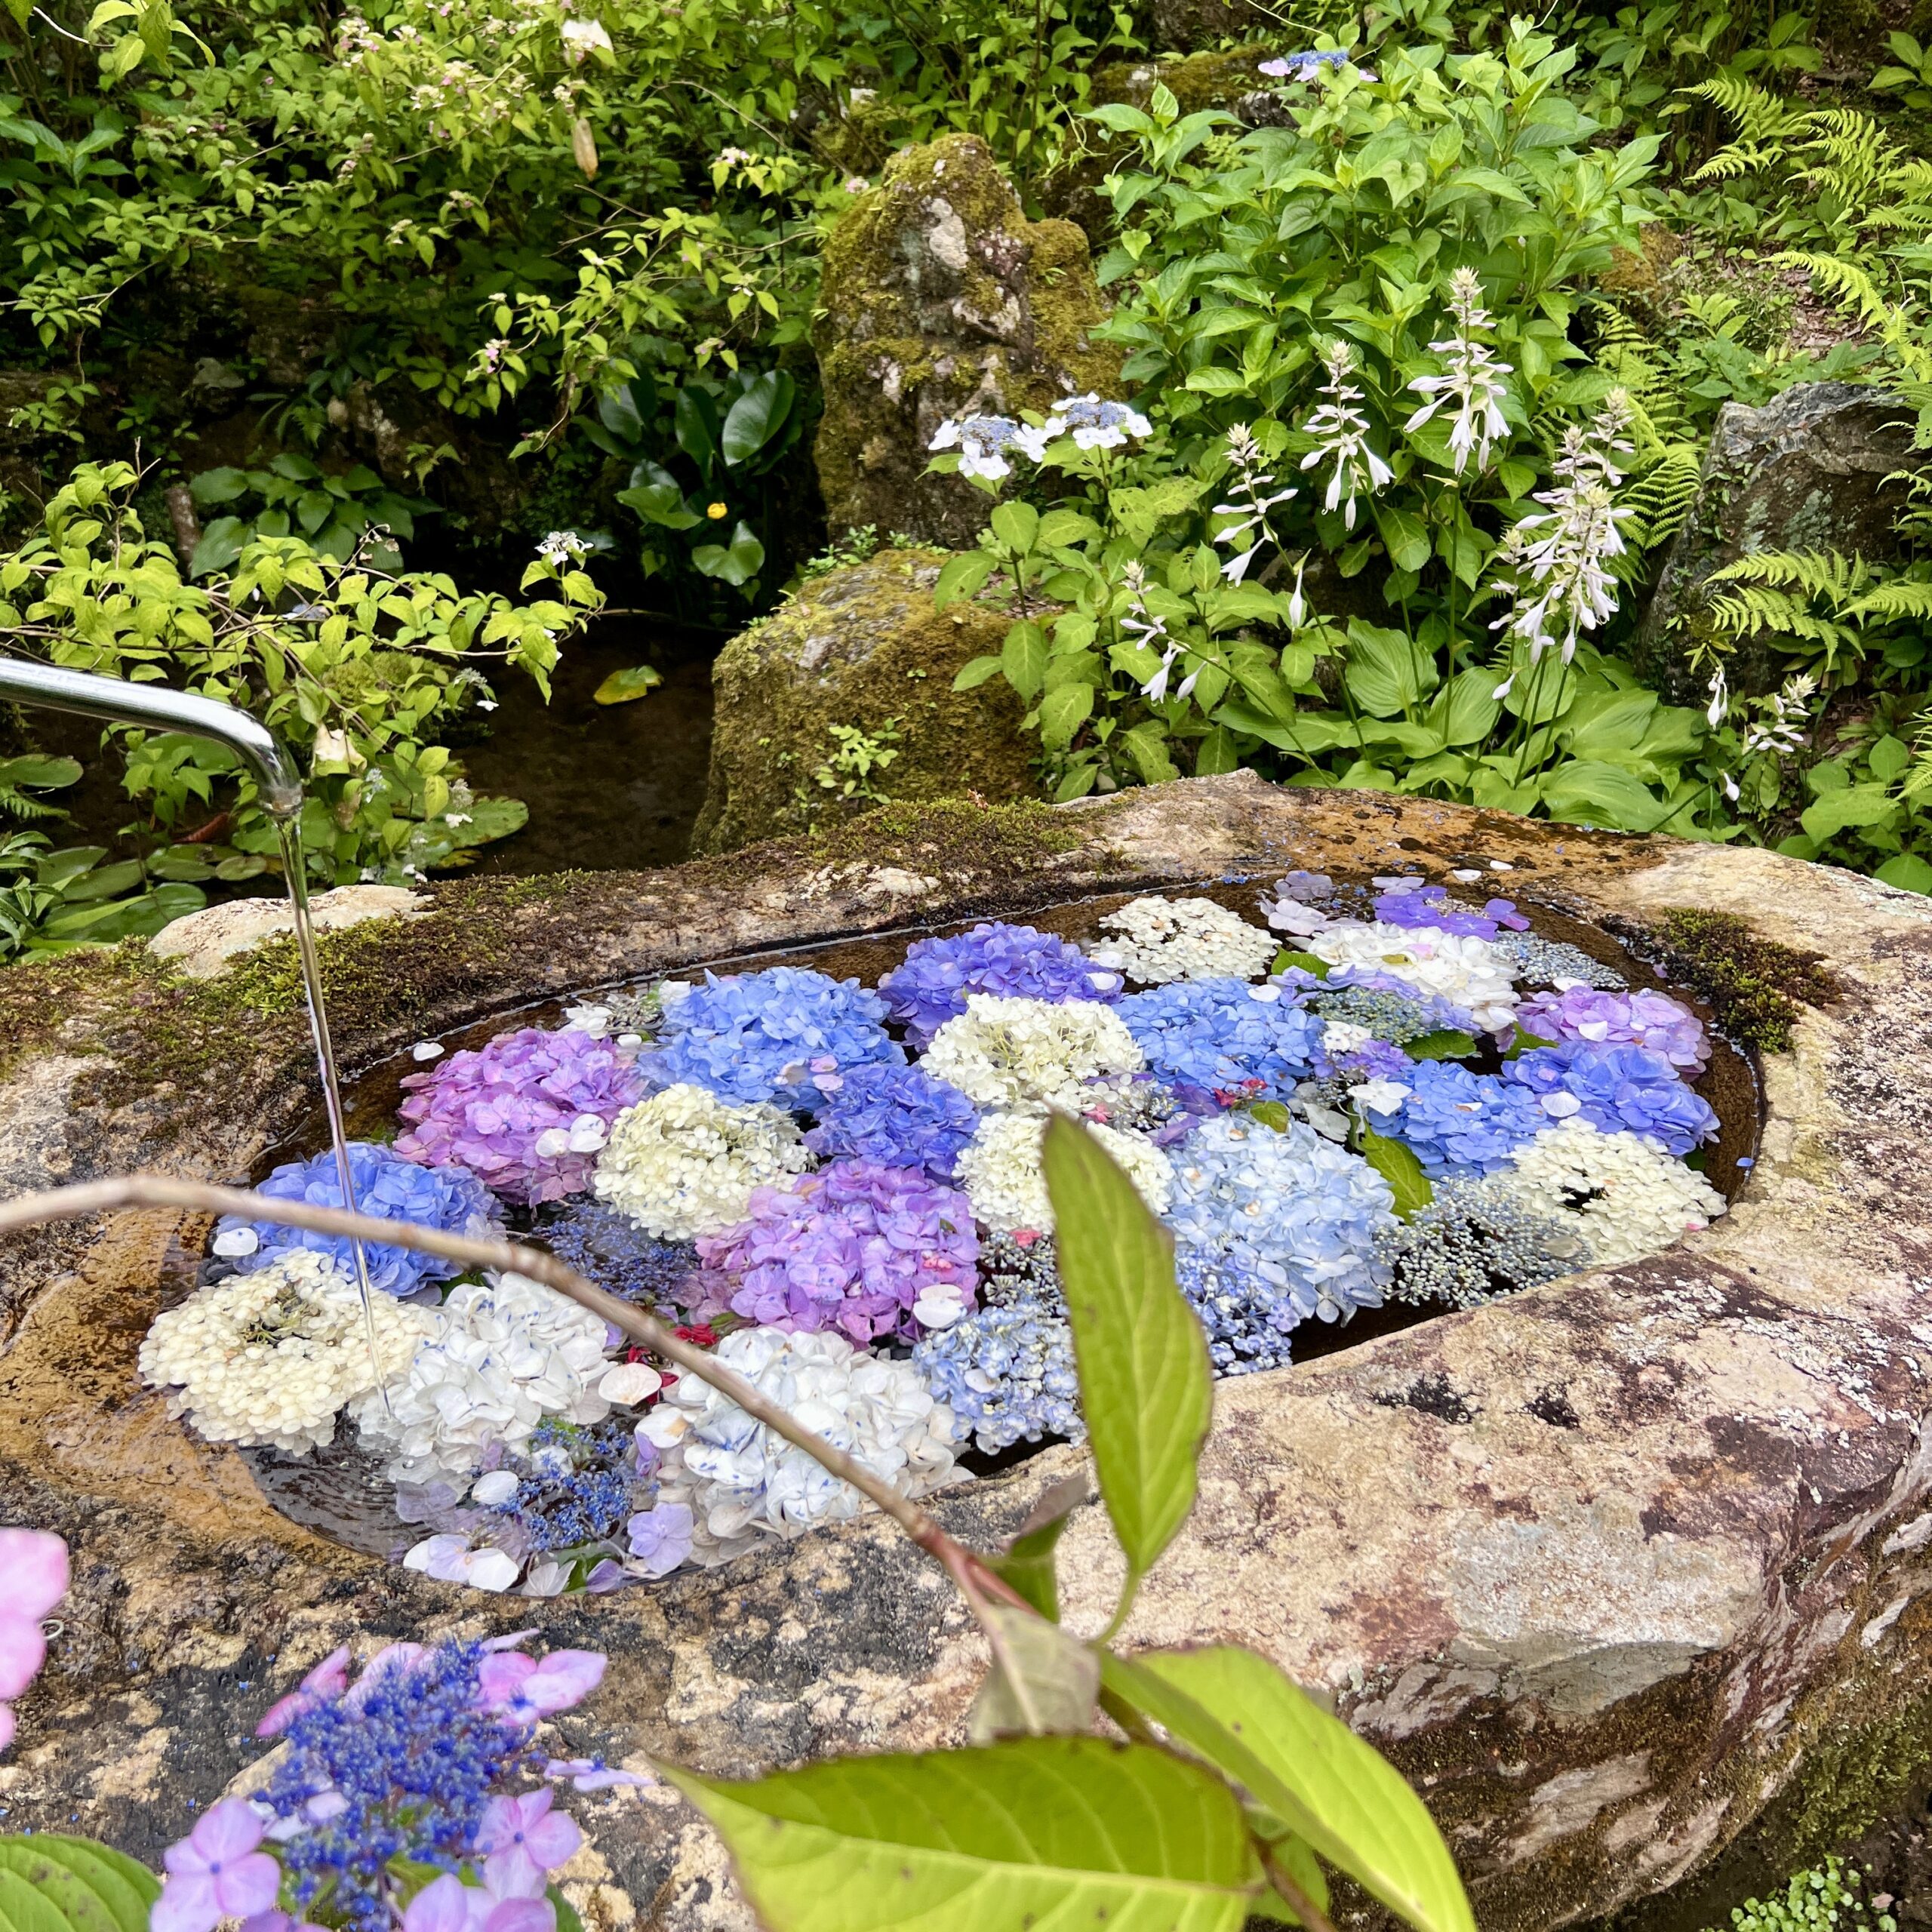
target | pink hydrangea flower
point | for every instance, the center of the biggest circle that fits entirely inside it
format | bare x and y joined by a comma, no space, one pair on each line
33,1579
329,1679
526,1689
522,1839
217,1872
448,1905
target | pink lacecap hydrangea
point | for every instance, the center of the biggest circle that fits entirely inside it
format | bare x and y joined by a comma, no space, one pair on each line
1642,1018
852,1246
487,1111
33,1579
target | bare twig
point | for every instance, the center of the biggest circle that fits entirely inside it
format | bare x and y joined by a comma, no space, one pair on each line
1303,1907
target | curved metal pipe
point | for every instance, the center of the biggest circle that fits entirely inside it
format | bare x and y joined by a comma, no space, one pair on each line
156,706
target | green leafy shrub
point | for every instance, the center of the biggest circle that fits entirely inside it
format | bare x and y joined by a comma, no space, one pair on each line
334,514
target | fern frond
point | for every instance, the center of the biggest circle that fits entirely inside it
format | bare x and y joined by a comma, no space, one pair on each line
1903,600
1842,282
1757,610
1662,497
1827,574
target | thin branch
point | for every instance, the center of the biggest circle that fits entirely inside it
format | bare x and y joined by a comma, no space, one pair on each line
1303,1907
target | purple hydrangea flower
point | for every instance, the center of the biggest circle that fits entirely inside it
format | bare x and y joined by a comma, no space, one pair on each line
871,1250
1223,1034
527,1114
786,1034
1432,907
1458,1122
1616,1088
1642,1019
661,1537
1373,1059
386,1185
1016,962
899,1116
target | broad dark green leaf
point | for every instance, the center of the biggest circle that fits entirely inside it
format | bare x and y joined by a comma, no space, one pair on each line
1592,791
736,563
52,1883
1398,1165
220,545
41,772
218,486
756,417
1143,1361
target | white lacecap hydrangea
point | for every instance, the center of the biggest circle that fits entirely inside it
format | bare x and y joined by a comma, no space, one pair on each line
742,1483
1029,1054
1469,972
1637,1199
1001,1170
1156,940
684,1163
269,1359
501,1355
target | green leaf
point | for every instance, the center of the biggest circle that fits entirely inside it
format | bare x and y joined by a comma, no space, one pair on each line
1016,525
1465,712
736,563
1588,791
40,771
1271,1114
974,672
962,576
694,422
756,417
1142,1358
1407,537
1445,1043
1043,1679
218,486
1908,871
1388,673
52,1883
220,545
1023,657
1854,805
621,687
1308,962
1028,1562
617,410
1035,1832
1063,711
1398,1165
1302,1768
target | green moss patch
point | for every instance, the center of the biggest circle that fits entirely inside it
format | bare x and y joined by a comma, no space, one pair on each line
1755,986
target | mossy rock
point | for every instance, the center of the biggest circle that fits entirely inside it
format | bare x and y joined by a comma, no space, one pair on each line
862,646
940,298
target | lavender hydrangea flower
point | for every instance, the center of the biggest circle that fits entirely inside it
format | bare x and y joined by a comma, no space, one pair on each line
527,1114
929,987
1458,1122
871,1250
900,1116
1432,907
1642,1019
1247,1321
786,1034
387,1186
610,1249
1616,1087
1223,1034
1007,1374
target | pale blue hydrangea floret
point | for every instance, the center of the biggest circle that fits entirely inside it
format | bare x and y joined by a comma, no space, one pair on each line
1616,1087
1222,1034
929,987
1458,1122
450,1199
1291,1209
785,1034
1007,1374
899,1115
1247,1321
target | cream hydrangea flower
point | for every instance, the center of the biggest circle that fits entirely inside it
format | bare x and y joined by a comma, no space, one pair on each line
742,1483
1030,1054
684,1163
268,1359
1469,972
1000,1169
1638,1199
1155,940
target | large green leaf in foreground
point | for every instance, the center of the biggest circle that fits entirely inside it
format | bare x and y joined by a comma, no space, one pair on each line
1037,1831
49,1883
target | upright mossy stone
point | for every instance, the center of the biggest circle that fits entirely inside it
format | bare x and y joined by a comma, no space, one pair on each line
941,298
864,647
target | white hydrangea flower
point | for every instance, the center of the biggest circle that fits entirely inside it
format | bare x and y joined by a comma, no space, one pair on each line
1031,1053
741,1482
1469,972
1155,940
501,1355
684,1163
1638,1199
1000,1169
269,1359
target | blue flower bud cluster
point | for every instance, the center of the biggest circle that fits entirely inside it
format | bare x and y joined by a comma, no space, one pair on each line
611,1250
1247,1321
1222,1034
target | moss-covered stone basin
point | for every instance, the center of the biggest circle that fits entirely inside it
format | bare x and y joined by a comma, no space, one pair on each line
1615,1570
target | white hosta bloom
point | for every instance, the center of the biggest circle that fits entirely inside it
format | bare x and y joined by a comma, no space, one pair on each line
1031,1053
500,1356
742,1483
1720,704
1001,1170
268,1359
1155,940
1468,972
684,1163
1786,716
1247,505
1636,1198
1150,630
1342,432
1473,380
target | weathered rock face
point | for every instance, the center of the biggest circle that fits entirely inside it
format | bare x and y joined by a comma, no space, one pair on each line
942,298
1609,1569
1805,472
1183,26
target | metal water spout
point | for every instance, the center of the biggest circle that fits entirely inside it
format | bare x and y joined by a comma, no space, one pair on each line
154,706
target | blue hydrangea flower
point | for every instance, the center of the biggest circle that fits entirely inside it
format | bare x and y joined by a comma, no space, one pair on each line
1016,962
1290,1209
1006,1373
1247,1321
1615,1086
1222,1034
899,1116
1458,1122
784,1034
610,1248
387,1186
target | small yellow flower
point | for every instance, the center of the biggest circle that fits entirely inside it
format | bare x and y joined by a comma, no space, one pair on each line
716,510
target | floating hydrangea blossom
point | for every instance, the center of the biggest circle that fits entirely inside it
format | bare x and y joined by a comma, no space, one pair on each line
269,1359
387,1187
1431,905
1007,1373
1026,1053
610,1249
930,986
528,1114
742,1483
1616,1088
1477,1239
1155,940
1002,1172
1247,1321
874,1250
1455,1121
899,1116
785,1034
1291,1209
1552,962
33,1579
684,1163
1625,1194
1467,972
1223,1034
1643,1018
